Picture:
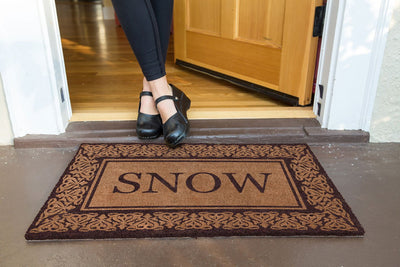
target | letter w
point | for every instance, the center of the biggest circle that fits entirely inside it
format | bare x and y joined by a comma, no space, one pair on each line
239,188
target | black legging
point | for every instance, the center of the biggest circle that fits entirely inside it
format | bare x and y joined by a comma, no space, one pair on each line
147,24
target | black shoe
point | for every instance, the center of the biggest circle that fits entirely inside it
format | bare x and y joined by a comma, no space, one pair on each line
176,128
148,126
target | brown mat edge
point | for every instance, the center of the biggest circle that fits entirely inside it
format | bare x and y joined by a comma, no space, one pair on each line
122,234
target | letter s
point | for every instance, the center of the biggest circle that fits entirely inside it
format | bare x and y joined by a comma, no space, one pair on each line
123,180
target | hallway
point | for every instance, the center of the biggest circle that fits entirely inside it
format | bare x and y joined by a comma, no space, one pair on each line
367,175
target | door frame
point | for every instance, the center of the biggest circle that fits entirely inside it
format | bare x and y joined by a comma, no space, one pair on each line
32,68
344,55
352,51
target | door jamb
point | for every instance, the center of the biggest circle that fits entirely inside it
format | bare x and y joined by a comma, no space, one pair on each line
347,96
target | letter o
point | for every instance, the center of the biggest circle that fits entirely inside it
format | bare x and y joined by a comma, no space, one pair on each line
189,182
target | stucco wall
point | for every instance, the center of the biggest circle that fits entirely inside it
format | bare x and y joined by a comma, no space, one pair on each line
6,136
385,124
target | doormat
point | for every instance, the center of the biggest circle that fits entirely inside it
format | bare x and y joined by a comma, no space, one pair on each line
195,190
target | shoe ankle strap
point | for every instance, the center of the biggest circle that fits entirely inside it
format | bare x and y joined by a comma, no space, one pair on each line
165,97
146,93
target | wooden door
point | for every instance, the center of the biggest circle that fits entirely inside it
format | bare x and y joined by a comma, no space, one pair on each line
266,45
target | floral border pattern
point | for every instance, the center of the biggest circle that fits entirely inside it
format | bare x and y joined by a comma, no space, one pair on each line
60,217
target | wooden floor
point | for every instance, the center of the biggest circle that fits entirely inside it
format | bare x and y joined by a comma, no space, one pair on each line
104,78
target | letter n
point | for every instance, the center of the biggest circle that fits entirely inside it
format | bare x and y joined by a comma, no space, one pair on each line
173,188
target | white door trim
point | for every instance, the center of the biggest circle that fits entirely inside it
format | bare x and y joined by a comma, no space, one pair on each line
32,67
56,63
328,59
354,39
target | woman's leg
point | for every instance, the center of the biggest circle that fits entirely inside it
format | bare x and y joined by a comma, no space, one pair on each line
163,13
163,10
138,20
149,41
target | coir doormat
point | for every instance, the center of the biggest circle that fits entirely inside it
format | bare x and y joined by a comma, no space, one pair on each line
150,190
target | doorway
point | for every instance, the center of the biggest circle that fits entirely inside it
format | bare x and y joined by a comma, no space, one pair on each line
104,77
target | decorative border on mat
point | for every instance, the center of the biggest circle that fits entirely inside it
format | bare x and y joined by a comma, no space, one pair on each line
61,218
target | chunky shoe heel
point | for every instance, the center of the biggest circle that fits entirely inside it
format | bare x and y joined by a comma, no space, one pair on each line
186,105
148,126
176,128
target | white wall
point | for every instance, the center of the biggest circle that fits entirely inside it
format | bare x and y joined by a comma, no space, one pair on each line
32,67
385,124
6,134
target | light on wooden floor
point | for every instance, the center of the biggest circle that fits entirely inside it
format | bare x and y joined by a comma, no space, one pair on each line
105,79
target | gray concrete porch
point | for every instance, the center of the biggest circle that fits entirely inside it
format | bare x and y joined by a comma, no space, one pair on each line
366,174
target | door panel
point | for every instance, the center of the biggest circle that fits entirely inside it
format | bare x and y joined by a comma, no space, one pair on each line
208,21
267,43
299,50
261,21
226,56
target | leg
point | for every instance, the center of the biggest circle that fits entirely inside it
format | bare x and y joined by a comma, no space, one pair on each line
140,26
149,40
163,10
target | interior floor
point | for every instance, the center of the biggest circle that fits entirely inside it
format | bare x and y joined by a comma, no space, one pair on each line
367,175
105,80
